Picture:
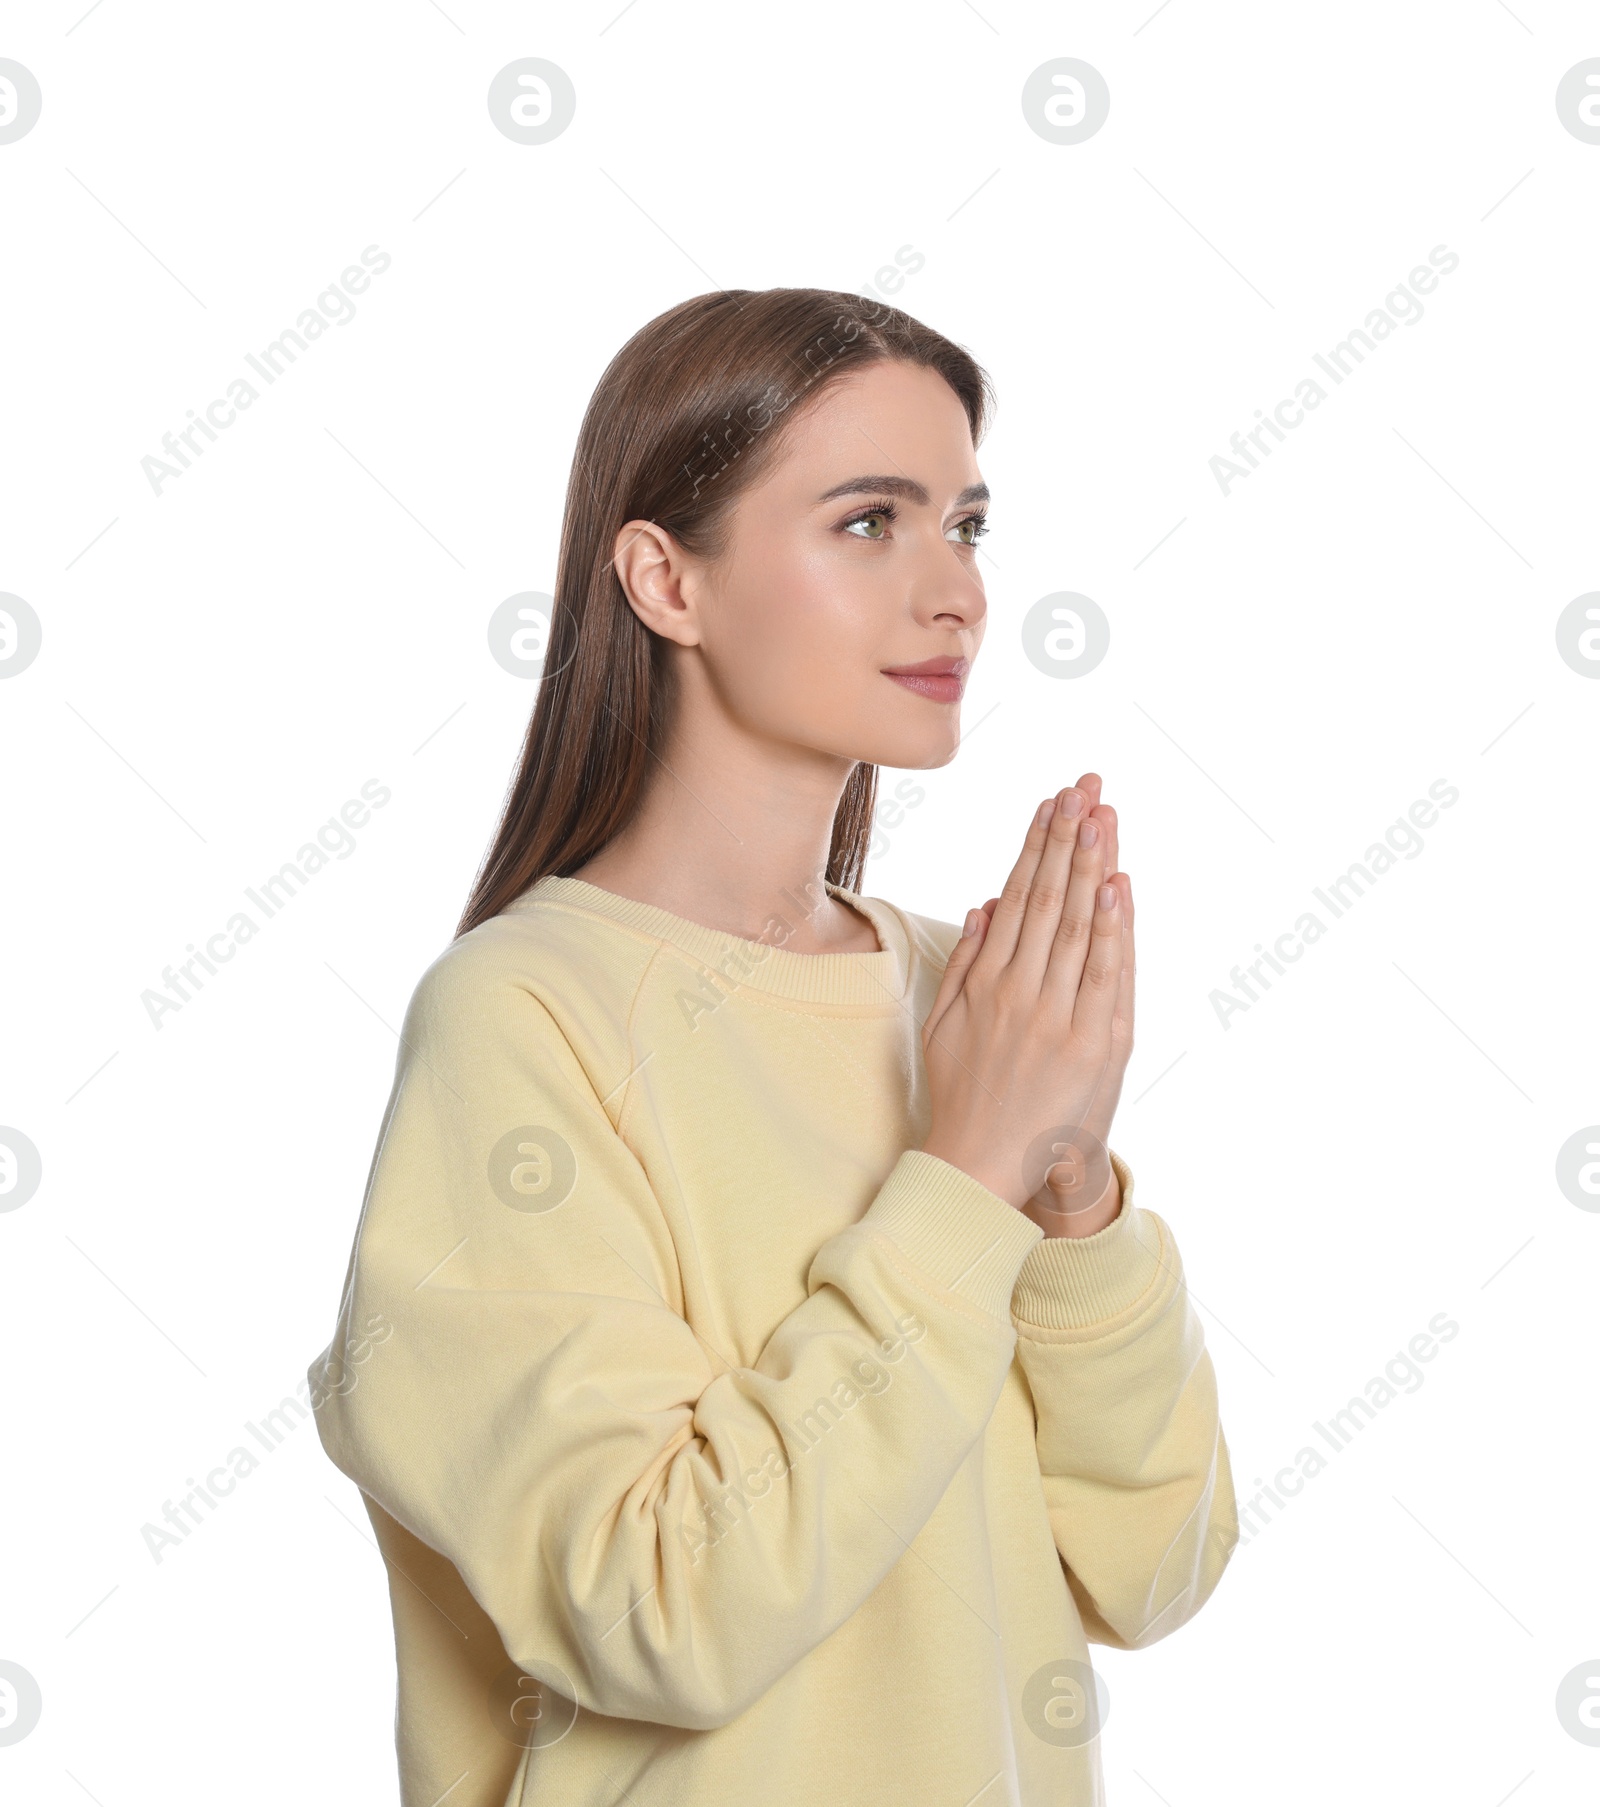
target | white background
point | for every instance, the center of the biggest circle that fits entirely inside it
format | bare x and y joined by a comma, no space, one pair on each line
225,663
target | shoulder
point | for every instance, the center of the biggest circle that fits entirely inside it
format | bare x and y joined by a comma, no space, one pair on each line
536,970
929,939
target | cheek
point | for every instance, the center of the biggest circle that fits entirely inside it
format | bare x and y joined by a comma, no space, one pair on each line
807,634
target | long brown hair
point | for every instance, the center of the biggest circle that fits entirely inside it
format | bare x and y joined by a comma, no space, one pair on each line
684,418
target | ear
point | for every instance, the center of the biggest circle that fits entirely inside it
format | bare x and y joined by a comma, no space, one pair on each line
657,577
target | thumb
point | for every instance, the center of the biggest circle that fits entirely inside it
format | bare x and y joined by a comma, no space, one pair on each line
962,956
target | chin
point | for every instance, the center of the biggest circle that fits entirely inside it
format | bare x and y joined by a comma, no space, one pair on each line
911,752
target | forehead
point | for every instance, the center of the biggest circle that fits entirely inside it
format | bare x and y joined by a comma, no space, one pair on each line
887,415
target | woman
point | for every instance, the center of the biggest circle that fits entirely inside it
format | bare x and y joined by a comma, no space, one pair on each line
760,1380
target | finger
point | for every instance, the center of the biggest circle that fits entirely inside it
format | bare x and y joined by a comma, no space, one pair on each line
990,906
1106,816
1096,1001
1122,1021
1000,942
1048,892
956,969
1093,788
1070,947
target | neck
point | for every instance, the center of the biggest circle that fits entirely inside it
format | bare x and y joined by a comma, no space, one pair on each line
734,829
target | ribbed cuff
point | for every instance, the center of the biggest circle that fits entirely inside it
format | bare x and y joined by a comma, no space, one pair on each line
964,1237
1072,1282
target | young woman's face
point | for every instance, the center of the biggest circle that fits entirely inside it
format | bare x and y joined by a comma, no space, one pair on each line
853,556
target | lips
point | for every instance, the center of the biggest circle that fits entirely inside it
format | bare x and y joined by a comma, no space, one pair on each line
940,680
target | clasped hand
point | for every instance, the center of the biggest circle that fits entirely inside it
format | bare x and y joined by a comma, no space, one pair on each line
1029,1037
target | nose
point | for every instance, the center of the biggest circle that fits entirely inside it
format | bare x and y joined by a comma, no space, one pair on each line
947,590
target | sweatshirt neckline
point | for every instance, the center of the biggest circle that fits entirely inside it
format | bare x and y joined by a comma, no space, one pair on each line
878,979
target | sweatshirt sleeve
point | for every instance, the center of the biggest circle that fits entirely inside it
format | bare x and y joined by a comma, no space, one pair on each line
1135,1467
655,1531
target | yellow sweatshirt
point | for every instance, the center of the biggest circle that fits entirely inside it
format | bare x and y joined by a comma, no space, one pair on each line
721,1445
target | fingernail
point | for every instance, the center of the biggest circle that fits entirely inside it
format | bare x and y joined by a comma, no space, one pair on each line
1108,897
1071,802
970,927
1046,810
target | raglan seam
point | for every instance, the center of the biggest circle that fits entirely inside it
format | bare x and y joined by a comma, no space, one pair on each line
627,1038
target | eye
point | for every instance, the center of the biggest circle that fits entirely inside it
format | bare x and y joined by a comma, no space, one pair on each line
874,521
969,531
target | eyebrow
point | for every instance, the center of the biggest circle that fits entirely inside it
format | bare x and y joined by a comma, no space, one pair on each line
906,487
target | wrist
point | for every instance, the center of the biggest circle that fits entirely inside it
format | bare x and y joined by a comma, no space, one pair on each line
1009,1186
1059,1219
